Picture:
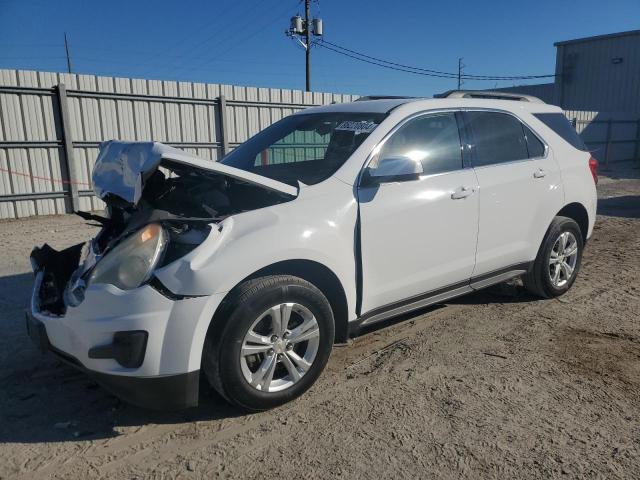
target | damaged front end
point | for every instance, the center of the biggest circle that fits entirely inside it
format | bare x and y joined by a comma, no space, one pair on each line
161,204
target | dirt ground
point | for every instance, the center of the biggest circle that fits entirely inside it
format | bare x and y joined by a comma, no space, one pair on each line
494,385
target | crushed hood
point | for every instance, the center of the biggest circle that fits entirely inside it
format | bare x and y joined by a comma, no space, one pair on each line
122,168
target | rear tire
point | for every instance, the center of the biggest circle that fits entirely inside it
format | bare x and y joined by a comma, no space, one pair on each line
270,342
558,261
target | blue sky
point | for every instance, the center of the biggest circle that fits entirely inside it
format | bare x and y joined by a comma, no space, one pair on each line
242,41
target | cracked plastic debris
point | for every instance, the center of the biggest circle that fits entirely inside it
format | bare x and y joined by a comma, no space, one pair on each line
144,183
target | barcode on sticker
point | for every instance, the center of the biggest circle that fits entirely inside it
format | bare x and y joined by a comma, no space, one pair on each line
357,127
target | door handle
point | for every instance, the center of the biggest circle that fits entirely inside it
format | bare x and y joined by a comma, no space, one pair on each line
461,192
539,173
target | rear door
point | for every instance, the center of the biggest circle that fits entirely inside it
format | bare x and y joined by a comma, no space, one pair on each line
520,190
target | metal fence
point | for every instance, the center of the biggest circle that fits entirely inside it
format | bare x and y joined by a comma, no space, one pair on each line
611,137
51,125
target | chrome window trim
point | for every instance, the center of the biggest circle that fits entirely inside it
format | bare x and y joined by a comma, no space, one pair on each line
454,110
499,110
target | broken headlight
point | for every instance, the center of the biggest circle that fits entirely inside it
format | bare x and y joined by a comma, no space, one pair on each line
132,261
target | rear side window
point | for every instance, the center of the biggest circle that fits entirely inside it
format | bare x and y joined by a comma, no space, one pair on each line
433,140
498,138
534,145
559,124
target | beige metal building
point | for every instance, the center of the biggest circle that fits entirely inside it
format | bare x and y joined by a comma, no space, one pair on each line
597,83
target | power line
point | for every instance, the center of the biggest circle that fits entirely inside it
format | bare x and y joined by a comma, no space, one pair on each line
246,38
230,25
419,70
322,45
192,33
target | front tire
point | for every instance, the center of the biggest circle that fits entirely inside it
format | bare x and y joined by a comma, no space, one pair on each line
270,342
558,262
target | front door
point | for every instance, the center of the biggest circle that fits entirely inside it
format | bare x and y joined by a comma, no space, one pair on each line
419,236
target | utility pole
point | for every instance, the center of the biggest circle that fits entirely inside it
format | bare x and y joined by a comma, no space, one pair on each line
460,67
307,34
304,28
66,48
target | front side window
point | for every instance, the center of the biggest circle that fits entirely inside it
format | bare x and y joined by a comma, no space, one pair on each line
498,138
305,148
433,140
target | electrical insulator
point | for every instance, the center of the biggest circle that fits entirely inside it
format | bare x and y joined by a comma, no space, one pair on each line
296,24
317,27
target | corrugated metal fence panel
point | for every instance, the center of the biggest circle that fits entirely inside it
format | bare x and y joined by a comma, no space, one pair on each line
610,136
184,114
27,169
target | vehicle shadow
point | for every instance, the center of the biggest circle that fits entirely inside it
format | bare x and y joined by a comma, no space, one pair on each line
626,206
44,400
509,292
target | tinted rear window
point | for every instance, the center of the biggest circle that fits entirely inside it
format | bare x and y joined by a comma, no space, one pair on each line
498,137
559,124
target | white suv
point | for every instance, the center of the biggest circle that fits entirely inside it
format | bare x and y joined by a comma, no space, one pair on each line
337,217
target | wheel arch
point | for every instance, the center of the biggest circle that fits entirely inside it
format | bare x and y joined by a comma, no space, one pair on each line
316,273
578,213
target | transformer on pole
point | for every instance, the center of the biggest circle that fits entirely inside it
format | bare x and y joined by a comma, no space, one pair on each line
304,28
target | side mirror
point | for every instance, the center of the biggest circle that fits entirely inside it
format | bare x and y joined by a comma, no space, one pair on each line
394,169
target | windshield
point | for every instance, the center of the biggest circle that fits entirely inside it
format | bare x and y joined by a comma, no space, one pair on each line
307,148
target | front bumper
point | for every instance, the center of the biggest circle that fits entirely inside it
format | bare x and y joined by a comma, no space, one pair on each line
167,375
168,392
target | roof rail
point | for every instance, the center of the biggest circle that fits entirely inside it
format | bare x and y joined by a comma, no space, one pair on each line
381,97
489,95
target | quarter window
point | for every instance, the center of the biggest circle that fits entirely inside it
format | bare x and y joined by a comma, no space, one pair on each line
534,145
498,138
433,140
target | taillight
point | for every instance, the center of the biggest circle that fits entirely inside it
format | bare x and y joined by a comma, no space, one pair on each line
593,166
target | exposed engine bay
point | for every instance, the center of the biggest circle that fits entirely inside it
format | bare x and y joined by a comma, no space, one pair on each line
180,200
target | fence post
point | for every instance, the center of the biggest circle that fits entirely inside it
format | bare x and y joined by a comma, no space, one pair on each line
222,120
636,152
607,152
68,166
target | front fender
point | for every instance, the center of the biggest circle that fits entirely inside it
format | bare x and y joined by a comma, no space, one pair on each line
317,226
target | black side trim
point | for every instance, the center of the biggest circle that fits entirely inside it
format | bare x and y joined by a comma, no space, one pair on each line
519,266
355,326
410,300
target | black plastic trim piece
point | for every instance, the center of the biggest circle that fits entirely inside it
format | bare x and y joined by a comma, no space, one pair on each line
526,266
168,392
127,348
410,300
159,287
355,326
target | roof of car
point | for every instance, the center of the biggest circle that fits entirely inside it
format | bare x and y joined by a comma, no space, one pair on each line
361,106
388,104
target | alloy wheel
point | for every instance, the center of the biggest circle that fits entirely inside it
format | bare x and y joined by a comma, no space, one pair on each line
280,347
563,259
